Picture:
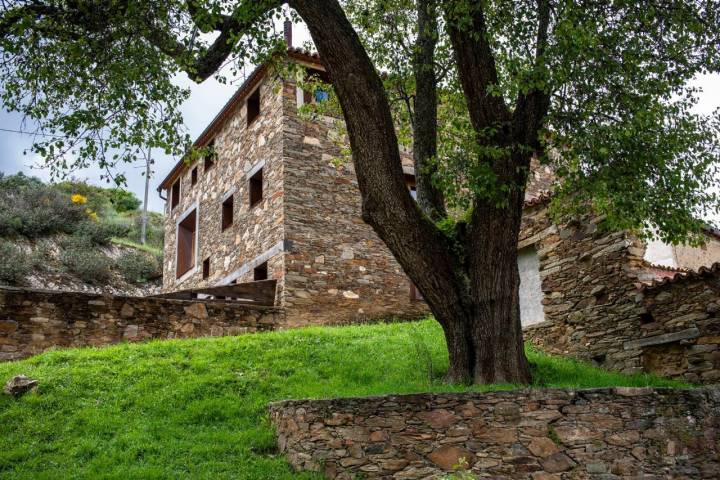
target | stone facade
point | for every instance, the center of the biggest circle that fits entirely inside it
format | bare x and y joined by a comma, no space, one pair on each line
330,266
601,303
525,434
256,234
31,321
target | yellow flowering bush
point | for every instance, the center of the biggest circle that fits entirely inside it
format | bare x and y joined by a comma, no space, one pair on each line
78,199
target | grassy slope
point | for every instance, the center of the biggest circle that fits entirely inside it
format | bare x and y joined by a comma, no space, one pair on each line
136,245
197,408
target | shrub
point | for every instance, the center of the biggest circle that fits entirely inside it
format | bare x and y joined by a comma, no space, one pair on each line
14,264
138,267
31,209
42,257
91,266
99,233
97,198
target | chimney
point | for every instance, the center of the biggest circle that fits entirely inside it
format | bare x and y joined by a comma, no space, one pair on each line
288,33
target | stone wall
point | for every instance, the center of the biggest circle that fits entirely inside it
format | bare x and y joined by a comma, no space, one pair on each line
524,434
338,269
32,321
598,306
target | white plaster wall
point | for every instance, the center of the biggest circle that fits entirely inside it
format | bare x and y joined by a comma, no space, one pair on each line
660,253
531,294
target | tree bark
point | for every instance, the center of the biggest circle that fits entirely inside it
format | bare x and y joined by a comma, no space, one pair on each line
429,197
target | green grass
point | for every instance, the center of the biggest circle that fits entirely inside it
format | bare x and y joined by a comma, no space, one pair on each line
139,246
198,408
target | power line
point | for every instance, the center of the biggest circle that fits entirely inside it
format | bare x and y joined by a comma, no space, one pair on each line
21,132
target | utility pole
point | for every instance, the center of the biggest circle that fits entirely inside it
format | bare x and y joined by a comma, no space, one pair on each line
144,218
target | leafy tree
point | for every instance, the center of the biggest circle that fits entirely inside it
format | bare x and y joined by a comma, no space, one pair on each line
123,200
601,85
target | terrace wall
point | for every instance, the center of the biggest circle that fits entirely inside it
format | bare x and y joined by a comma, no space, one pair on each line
32,321
524,434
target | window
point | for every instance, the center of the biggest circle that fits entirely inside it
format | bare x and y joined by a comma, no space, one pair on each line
206,268
256,188
253,106
175,195
260,272
227,212
305,97
210,156
186,243
321,96
531,294
412,186
193,176
414,293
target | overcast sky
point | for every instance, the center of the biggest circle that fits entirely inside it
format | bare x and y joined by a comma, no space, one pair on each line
205,101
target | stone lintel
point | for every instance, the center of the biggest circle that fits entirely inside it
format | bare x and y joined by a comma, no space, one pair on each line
664,338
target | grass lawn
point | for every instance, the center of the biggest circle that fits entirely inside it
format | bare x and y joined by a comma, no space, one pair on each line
138,246
198,408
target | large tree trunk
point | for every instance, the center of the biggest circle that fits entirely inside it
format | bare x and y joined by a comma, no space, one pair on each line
470,280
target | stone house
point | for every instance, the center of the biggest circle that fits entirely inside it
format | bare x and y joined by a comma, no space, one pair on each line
271,203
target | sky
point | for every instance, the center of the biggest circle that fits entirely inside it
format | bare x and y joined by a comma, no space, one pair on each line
204,103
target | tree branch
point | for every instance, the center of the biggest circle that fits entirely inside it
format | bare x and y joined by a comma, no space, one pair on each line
201,66
531,108
476,63
429,197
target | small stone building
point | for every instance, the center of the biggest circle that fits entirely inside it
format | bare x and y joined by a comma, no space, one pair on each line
272,203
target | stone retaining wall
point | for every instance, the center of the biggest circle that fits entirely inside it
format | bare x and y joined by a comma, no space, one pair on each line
32,321
524,434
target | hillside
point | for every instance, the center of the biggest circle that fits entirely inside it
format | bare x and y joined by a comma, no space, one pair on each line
198,408
75,236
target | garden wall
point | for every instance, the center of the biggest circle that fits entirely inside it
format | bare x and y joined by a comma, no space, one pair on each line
32,321
528,434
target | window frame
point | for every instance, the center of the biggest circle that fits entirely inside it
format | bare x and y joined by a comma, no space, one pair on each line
194,249
175,194
227,211
210,158
253,106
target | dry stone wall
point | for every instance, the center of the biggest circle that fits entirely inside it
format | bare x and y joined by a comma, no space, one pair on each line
598,309
525,434
32,321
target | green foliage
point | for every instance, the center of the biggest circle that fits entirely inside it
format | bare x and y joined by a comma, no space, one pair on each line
99,233
623,138
97,198
158,253
122,200
15,265
139,267
42,256
32,209
89,264
155,233
198,408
